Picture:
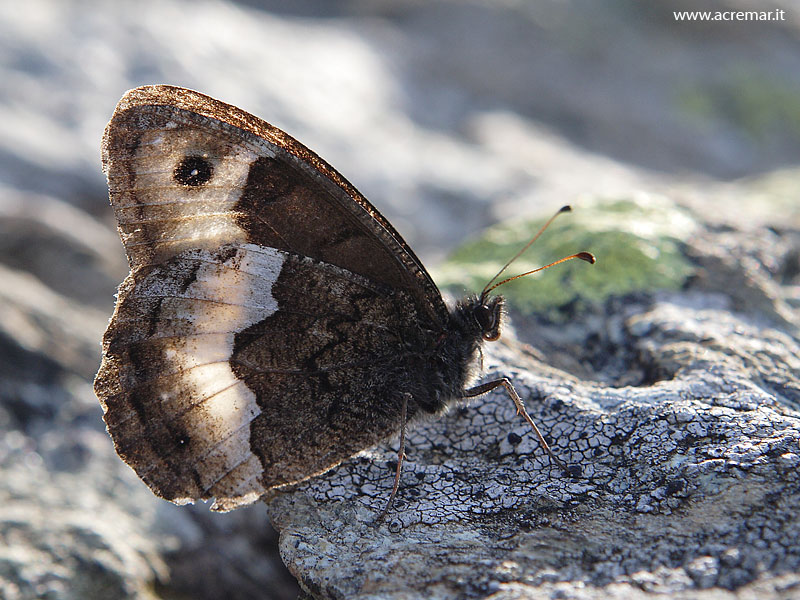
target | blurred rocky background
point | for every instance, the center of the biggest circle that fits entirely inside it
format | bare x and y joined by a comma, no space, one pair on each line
450,116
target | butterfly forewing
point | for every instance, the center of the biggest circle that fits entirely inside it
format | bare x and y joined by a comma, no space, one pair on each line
263,185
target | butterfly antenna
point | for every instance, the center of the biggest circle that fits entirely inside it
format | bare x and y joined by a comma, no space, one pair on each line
587,256
582,255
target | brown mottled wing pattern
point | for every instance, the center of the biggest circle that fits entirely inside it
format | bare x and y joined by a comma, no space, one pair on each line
267,301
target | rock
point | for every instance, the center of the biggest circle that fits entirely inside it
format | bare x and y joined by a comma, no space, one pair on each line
681,416
62,538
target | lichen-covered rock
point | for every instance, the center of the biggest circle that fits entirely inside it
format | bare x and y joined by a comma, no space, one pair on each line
683,415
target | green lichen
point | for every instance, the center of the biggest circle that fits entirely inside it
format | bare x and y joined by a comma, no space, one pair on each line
637,243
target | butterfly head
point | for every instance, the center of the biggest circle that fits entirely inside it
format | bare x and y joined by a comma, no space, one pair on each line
489,313
488,310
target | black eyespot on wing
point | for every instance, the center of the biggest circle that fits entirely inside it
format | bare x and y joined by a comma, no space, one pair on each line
193,171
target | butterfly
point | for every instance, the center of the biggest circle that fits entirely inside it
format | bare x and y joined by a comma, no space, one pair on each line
273,323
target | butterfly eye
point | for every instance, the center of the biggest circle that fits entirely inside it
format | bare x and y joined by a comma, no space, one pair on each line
485,317
489,317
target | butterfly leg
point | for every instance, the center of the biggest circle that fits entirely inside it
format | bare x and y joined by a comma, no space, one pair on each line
484,388
400,456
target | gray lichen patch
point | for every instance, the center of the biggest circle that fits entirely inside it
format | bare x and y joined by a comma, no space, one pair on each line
688,482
